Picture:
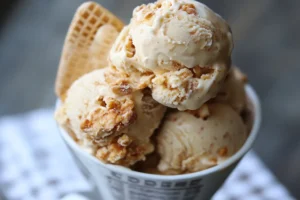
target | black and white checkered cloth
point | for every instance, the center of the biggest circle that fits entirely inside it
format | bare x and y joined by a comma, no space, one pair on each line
35,165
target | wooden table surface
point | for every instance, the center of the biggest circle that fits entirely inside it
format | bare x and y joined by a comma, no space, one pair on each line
266,34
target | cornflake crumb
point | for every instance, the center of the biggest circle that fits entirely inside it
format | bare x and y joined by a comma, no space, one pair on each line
124,140
223,151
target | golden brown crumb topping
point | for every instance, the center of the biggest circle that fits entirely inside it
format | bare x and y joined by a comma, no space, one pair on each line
115,153
202,112
130,48
188,8
223,151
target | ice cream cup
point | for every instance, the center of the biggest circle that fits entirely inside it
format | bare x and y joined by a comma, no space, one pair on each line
119,183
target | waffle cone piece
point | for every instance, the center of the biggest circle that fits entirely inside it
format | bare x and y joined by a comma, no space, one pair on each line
91,34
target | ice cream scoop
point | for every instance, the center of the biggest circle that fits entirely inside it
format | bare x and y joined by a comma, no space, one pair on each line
188,142
112,121
183,43
233,90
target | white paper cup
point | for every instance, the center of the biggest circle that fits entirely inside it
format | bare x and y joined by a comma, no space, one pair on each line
119,183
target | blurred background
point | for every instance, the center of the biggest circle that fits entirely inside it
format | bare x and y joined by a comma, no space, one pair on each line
267,47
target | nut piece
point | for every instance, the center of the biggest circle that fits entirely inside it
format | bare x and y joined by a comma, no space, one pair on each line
188,8
130,48
202,112
122,88
112,153
223,151
124,140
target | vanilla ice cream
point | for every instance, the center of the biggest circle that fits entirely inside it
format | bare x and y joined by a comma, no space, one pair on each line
233,90
188,142
113,122
184,44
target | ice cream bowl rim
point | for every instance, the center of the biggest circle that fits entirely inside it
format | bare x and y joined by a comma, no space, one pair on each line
222,166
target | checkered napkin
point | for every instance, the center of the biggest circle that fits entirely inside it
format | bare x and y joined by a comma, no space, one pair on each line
251,180
35,165
34,162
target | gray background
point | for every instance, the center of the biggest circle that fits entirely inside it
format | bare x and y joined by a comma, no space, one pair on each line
266,34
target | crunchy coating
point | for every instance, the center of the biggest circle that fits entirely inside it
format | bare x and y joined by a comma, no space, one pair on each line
111,121
92,108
